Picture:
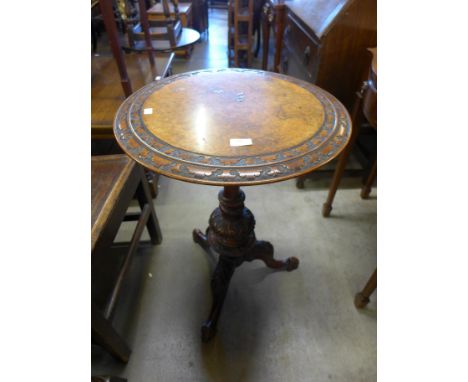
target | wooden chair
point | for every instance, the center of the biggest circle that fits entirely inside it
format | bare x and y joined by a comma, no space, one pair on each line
116,180
167,31
240,30
366,101
165,35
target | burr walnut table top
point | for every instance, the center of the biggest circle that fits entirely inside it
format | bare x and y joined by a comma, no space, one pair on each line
182,127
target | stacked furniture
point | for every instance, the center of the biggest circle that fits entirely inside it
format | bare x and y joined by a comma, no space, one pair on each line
273,17
240,30
177,14
162,29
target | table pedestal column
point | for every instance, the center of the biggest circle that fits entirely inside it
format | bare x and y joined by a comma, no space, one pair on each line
231,234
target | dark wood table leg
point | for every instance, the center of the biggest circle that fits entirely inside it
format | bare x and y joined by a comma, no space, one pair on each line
263,250
362,298
231,234
219,287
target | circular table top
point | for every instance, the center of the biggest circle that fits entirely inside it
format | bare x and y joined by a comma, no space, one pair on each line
183,127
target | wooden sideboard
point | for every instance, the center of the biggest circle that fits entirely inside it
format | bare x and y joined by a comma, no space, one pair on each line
324,42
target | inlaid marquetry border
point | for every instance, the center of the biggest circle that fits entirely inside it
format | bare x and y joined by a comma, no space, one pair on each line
157,155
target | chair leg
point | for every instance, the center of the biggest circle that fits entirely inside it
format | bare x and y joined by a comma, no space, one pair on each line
105,335
152,179
366,189
340,167
144,197
362,298
257,48
144,217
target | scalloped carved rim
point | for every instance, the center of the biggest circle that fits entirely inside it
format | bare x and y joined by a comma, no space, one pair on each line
153,153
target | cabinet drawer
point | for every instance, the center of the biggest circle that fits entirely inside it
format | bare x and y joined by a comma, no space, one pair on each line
301,48
292,66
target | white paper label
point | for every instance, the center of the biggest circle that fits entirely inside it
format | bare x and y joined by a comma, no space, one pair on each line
240,141
148,110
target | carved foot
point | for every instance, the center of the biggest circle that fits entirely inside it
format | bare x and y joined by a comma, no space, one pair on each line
219,287
326,209
208,331
263,250
200,238
360,301
365,191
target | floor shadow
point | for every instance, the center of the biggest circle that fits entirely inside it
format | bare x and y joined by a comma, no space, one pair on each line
230,355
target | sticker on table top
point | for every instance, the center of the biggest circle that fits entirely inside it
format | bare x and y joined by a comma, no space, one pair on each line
149,110
240,141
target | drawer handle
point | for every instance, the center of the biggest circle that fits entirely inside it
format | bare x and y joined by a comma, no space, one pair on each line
306,55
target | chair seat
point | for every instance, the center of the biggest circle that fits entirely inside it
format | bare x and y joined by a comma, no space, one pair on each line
109,177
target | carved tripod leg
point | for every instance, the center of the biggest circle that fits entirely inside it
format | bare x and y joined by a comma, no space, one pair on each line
219,286
263,250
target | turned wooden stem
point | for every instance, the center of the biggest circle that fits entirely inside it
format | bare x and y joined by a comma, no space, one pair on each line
230,192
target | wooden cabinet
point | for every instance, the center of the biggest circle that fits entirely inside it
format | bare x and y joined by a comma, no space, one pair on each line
325,42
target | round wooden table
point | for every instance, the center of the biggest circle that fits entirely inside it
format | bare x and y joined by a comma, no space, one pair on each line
232,128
